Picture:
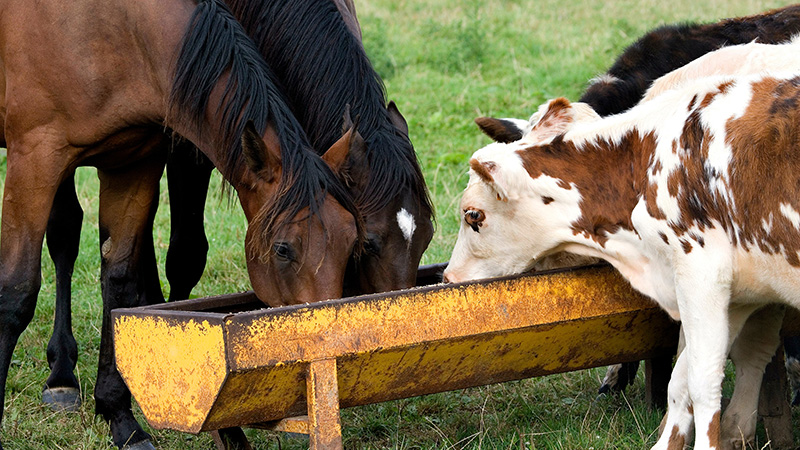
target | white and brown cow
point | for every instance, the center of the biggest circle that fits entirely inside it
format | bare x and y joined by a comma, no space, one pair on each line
691,196
740,417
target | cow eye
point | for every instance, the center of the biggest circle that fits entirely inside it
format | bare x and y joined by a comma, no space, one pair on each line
474,218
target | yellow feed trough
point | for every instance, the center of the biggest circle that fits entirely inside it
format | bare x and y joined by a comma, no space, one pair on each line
226,361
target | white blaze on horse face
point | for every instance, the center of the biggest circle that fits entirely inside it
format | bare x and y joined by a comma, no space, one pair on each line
406,222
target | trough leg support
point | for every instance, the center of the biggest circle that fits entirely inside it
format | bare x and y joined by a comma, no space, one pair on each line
657,372
773,404
322,390
230,439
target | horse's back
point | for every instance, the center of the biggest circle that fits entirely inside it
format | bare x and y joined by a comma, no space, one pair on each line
86,68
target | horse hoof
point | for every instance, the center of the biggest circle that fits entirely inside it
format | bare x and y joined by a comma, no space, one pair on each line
62,398
141,445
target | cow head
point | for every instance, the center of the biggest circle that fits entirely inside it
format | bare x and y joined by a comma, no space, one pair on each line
508,219
511,219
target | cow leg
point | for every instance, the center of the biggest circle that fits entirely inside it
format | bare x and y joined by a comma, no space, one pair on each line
128,201
61,390
188,174
752,350
710,324
677,423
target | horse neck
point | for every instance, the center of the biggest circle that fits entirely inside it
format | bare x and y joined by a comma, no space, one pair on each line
221,82
306,42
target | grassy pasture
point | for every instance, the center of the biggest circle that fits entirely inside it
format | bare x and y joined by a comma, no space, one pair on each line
444,62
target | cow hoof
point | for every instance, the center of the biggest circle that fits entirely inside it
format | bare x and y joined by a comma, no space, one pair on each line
141,445
62,398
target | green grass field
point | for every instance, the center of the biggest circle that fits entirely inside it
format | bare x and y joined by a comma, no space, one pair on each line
444,62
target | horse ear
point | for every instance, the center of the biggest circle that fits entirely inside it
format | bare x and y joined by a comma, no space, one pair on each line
347,121
501,130
396,118
262,155
350,146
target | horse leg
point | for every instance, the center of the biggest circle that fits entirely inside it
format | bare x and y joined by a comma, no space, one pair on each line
62,391
128,200
27,200
148,270
188,174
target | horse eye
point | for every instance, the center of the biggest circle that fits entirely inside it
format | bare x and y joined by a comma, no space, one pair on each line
372,247
283,251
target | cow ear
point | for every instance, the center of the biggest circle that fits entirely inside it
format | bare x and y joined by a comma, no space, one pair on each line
489,172
501,130
557,117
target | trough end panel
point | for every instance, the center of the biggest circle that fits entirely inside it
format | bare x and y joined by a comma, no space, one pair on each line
173,367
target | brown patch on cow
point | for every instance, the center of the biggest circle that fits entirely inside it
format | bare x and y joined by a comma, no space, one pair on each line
692,103
547,200
687,246
483,170
664,237
713,431
606,205
765,140
556,111
676,439
724,87
656,168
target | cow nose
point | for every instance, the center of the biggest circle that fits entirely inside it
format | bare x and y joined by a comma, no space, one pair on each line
448,278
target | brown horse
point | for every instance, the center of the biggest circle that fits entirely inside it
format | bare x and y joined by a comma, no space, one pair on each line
96,83
321,79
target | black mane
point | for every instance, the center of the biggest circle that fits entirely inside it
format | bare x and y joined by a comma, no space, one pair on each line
214,43
669,47
307,41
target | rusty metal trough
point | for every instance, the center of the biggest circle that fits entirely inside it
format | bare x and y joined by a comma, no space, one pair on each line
218,362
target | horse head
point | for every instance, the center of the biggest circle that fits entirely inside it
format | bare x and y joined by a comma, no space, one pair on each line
399,226
296,253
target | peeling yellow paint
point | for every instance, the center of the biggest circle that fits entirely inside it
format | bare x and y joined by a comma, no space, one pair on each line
174,370
402,344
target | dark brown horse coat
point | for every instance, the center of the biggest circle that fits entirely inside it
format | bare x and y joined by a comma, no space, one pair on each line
97,83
